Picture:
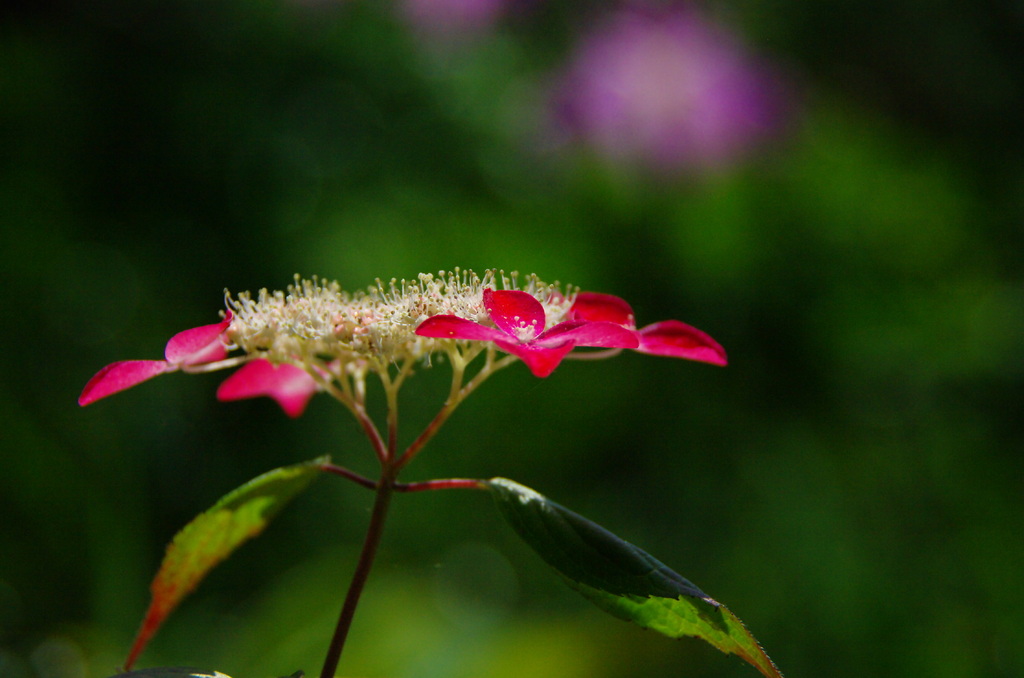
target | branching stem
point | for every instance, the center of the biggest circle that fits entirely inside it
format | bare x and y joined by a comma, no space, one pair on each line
391,465
457,394
421,486
350,475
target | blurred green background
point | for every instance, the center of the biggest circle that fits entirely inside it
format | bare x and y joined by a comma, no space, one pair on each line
852,485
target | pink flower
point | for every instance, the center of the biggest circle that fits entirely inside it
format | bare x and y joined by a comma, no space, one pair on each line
290,386
519,321
668,337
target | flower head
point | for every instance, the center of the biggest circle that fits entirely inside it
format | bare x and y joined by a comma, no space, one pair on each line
312,321
313,337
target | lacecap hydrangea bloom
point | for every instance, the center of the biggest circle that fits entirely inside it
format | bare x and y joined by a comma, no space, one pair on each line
315,337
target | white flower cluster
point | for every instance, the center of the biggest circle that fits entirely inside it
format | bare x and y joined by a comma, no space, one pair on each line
315,321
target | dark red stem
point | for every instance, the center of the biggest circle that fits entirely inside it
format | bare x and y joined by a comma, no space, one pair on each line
446,484
422,486
374,532
350,475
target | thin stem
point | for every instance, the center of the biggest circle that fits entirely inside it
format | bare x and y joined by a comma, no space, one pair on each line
442,484
391,386
404,371
421,486
350,475
343,395
374,532
391,465
214,366
384,453
457,395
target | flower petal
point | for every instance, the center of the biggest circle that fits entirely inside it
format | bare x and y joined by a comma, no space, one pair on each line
541,360
119,376
602,334
679,340
198,345
454,327
513,311
289,385
594,306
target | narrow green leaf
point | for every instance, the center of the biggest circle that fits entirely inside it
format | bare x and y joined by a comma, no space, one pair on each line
622,579
214,535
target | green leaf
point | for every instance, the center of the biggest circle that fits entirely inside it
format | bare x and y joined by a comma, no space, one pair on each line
214,535
622,579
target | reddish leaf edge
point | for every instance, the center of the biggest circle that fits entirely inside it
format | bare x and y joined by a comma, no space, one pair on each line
182,568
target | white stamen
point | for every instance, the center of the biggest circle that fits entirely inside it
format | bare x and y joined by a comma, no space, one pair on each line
315,322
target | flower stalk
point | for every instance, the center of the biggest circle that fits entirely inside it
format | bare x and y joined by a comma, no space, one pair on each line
387,485
374,532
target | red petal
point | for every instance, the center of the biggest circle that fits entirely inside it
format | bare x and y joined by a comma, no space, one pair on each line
679,340
594,306
603,334
289,385
454,327
541,361
119,376
198,345
511,310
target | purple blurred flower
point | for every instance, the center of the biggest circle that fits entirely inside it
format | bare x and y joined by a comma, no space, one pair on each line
667,89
